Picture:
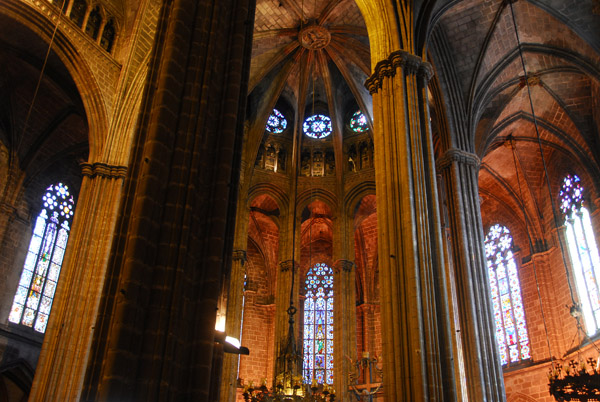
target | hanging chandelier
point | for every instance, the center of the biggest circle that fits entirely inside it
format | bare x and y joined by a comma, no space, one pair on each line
290,385
577,381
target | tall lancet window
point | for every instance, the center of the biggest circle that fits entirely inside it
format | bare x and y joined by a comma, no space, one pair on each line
33,300
318,325
582,250
511,328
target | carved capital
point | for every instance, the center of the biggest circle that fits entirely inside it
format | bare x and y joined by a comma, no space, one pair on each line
103,170
456,155
410,63
343,266
239,255
286,266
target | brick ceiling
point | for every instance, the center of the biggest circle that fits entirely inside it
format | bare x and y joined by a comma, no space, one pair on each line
561,56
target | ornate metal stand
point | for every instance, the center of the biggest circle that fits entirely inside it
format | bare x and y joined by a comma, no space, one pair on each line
367,371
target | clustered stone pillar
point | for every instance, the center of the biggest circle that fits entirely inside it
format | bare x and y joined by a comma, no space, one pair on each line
483,373
344,316
153,336
414,305
64,356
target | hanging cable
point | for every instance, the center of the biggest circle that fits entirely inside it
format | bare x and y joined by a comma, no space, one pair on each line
575,307
539,142
512,141
39,81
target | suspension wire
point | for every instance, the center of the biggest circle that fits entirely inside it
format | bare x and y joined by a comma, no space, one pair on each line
298,167
539,142
527,226
575,306
39,82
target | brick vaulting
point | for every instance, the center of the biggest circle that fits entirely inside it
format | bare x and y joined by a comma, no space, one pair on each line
199,210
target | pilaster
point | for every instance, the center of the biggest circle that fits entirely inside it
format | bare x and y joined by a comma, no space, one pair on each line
483,373
414,304
344,313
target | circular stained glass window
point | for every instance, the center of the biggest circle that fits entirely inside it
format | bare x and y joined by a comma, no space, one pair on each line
317,126
358,122
276,123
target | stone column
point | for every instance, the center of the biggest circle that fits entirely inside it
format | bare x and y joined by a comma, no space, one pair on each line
233,324
344,324
414,311
173,245
483,372
67,345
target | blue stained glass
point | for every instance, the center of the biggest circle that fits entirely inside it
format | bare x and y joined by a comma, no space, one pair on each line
317,126
329,378
319,361
54,272
514,353
21,295
276,122
318,309
26,279
49,288
319,331
45,254
509,315
320,316
329,363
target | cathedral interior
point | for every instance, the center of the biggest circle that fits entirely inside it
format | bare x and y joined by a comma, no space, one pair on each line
414,184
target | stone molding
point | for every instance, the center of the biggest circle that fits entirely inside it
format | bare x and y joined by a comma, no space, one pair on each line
343,265
286,265
103,170
410,64
456,155
240,255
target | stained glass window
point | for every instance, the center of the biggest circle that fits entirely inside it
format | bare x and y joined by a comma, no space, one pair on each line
276,123
93,23
317,126
318,325
509,316
33,300
358,122
582,250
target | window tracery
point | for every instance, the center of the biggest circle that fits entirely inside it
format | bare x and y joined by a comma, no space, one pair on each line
276,122
318,325
35,293
317,126
511,328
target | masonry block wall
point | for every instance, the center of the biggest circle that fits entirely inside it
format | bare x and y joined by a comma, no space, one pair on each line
258,323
